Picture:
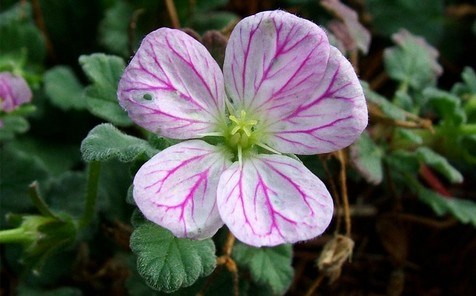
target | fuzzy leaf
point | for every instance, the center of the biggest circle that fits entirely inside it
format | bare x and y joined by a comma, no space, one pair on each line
412,61
104,72
168,263
440,164
64,89
462,209
270,266
367,158
105,142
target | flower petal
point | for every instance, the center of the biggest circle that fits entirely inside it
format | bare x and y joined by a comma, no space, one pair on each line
14,91
273,61
177,188
173,87
273,199
332,119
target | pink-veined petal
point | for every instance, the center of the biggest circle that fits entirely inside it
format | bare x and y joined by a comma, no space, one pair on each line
332,119
173,87
274,60
176,188
273,199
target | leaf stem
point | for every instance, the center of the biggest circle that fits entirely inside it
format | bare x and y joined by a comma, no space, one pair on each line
91,194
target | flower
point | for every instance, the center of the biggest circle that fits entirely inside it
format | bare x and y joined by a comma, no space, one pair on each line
284,89
14,91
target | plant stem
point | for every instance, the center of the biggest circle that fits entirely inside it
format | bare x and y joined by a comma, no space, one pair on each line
16,235
91,194
39,202
343,187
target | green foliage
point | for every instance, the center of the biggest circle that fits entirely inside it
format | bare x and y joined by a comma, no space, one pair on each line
18,171
423,17
412,61
447,105
168,263
440,164
19,32
269,266
41,236
12,125
62,199
113,30
64,89
104,71
105,142
367,157
462,209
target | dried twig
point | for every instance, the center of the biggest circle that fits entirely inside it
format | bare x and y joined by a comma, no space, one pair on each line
172,13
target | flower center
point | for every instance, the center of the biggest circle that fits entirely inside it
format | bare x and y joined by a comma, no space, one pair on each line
241,132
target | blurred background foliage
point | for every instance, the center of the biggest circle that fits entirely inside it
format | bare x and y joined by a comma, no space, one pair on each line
410,176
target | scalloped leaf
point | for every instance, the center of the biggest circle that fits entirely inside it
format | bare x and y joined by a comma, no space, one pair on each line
168,263
412,61
105,142
64,89
104,71
269,266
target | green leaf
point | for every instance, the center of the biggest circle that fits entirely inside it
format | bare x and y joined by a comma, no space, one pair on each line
402,161
409,135
113,30
56,157
18,171
367,159
270,266
168,263
105,142
462,209
104,71
66,193
413,61
469,78
440,164
12,125
447,105
64,89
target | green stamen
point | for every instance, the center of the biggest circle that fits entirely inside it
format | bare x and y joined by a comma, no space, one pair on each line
241,132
